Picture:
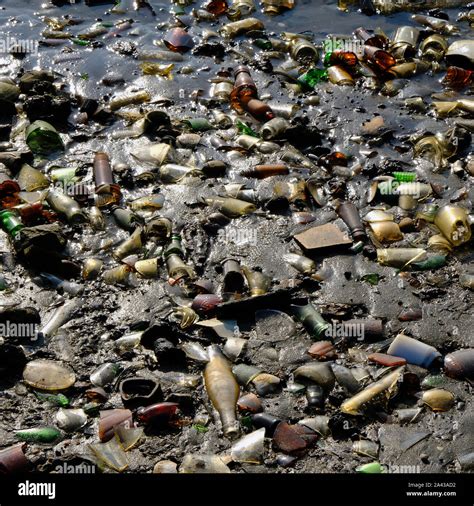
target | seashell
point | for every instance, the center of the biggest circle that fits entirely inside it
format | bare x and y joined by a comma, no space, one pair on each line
48,375
438,399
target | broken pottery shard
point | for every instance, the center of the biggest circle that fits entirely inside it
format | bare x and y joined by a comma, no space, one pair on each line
387,360
323,236
293,438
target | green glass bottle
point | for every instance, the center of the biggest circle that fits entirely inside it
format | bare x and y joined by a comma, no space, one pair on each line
327,59
199,124
263,44
311,319
10,222
39,435
404,177
80,42
42,138
174,247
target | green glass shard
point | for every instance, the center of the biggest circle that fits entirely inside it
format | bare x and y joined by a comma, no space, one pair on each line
371,278
313,77
58,400
372,468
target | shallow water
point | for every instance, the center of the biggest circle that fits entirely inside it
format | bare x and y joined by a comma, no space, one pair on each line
109,312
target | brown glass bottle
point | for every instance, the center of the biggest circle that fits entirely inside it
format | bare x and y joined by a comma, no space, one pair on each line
178,40
266,170
371,39
350,215
457,77
259,110
107,192
244,88
216,7
343,58
381,59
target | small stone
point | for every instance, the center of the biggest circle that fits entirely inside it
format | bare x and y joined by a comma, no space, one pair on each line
372,126
250,403
266,383
165,467
407,225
